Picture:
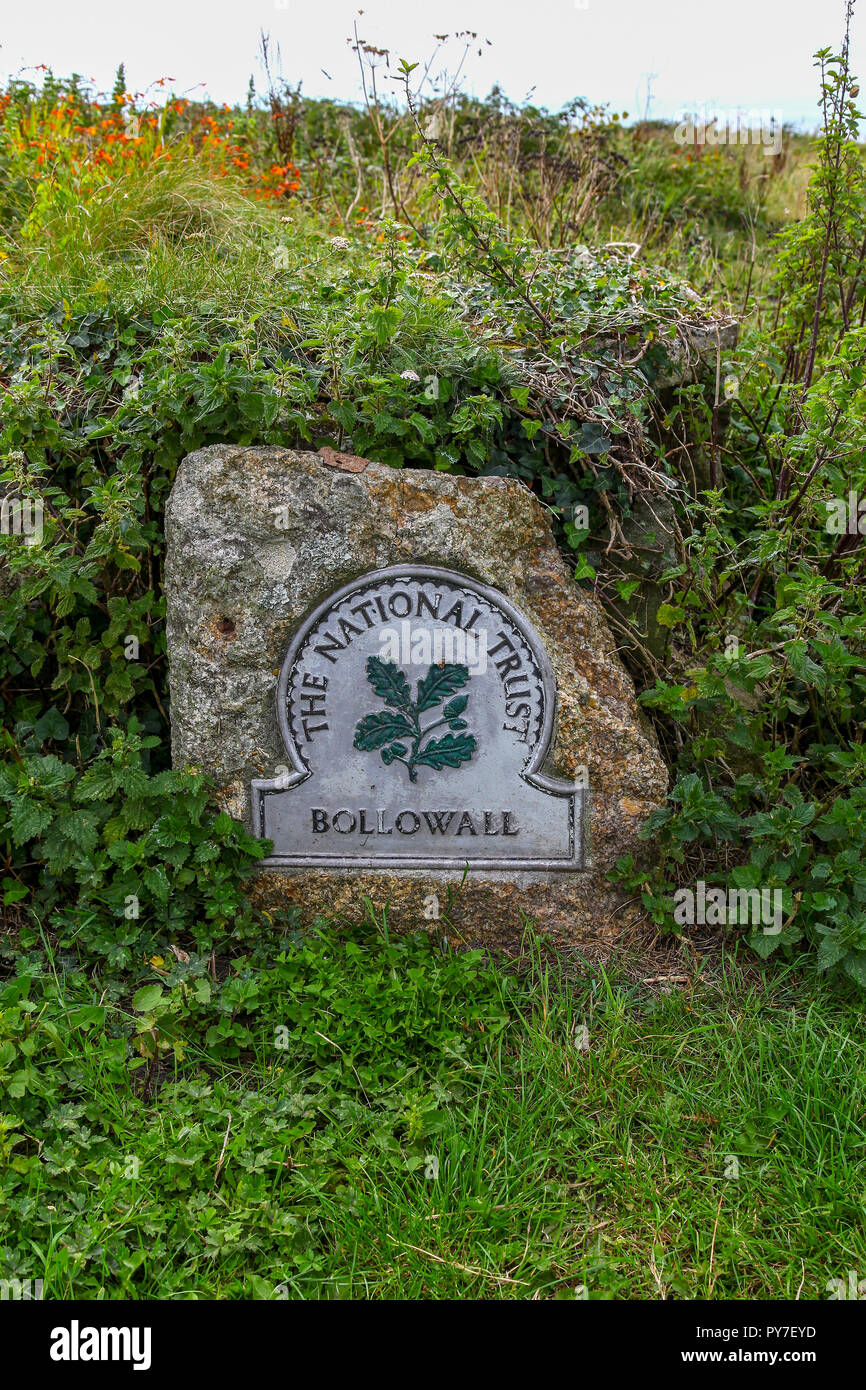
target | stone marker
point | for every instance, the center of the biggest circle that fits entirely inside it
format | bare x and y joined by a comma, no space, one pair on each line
391,675
369,678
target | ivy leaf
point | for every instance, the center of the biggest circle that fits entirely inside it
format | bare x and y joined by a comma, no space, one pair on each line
448,751
625,588
51,725
375,729
593,439
439,682
389,682
669,614
12,892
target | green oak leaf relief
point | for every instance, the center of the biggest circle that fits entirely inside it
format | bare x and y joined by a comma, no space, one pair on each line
389,683
440,681
397,732
376,729
396,750
447,751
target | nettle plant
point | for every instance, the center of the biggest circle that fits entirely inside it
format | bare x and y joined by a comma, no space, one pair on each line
763,722
762,703
127,858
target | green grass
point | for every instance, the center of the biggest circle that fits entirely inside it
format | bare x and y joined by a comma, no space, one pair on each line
251,1163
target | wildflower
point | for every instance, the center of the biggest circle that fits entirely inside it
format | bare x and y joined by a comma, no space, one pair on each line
409,375
339,242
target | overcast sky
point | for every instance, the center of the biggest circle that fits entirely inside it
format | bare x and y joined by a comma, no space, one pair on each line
684,55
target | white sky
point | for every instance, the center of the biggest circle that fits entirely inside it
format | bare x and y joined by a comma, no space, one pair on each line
728,55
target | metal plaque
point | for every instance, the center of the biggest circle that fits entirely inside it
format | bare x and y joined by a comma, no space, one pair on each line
417,708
